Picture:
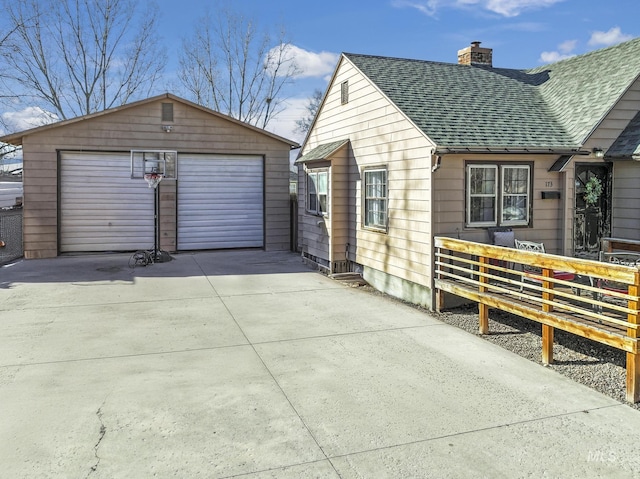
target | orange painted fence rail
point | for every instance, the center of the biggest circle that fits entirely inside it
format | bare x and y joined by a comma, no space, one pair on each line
529,285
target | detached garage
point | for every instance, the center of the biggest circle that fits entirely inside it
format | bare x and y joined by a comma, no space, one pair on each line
229,187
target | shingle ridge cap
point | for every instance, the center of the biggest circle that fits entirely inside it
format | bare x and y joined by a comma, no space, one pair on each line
384,57
433,62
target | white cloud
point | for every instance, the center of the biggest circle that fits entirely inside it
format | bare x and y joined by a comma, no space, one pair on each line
565,50
513,8
612,37
427,7
506,8
568,46
552,57
311,64
30,117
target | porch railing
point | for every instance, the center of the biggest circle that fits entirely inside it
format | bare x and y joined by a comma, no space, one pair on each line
528,284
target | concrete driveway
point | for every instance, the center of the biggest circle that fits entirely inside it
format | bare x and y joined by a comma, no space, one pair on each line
248,364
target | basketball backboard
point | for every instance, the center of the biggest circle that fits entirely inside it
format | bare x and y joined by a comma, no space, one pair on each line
161,162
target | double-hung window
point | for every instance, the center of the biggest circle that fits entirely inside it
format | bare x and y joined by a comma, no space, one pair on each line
318,191
498,194
375,198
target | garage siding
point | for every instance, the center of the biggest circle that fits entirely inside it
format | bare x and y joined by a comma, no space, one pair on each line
101,207
220,202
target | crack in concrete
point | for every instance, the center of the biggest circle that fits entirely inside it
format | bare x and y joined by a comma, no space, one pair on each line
102,433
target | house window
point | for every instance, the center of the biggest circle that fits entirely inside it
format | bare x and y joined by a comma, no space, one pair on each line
498,194
317,191
344,92
375,198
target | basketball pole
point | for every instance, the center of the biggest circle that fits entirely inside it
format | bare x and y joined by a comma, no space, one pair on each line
156,223
153,180
152,165
157,254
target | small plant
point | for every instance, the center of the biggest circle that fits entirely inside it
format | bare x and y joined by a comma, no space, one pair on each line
592,191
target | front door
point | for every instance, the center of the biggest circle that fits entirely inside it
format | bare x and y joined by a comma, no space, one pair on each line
592,220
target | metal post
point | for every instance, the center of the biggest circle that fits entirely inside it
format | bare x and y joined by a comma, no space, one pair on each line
156,225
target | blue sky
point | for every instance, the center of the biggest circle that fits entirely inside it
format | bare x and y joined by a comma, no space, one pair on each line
522,33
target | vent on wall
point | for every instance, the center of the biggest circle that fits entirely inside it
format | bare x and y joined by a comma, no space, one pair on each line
167,112
344,92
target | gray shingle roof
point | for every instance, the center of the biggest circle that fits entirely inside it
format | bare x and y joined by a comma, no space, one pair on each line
322,152
627,145
581,90
458,106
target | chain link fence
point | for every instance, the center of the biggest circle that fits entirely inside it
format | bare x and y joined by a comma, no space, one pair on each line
10,235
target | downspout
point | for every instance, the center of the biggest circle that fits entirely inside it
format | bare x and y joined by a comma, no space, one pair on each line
436,161
565,203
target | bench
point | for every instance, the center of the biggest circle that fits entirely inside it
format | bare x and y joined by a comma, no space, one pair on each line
611,290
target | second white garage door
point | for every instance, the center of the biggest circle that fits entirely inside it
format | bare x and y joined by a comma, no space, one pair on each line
220,202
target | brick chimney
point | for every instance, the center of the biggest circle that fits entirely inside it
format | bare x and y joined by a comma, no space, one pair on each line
475,55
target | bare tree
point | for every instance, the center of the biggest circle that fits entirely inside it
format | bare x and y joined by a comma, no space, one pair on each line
6,47
75,57
232,67
303,125
7,34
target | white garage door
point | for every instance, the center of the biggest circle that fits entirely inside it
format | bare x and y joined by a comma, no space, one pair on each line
101,207
220,202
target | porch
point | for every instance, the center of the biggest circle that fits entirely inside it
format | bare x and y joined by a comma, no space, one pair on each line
524,283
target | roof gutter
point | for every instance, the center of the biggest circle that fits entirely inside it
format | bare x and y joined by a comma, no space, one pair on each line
511,151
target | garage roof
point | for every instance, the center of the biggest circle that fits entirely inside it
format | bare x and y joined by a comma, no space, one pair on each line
17,138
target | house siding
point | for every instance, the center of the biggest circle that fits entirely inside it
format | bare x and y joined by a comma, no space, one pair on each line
616,120
139,127
625,222
340,213
314,230
547,215
379,136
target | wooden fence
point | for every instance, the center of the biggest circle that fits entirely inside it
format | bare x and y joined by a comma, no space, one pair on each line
528,284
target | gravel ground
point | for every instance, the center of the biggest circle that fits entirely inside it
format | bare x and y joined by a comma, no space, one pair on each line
595,365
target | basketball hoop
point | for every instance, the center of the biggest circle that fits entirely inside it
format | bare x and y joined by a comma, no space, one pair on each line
153,179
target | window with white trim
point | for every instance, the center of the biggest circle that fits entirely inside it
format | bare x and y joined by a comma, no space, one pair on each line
375,198
318,191
498,195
